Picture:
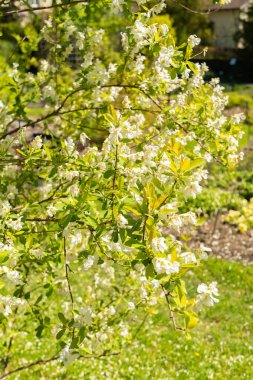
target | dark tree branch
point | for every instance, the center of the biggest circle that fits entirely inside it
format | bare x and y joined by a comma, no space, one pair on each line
171,316
71,3
56,357
197,11
38,362
58,111
67,272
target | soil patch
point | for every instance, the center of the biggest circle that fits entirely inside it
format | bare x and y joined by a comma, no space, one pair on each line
225,240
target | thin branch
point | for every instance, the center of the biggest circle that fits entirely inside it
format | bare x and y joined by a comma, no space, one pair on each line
133,86
42,118
101,108
102,250
114,179
104,354
196,11
38,362
140,326
57,111
12,54
145,223
171,316
74,2
200,143
51,197
67,272
42,220
54,358
7,358
170,308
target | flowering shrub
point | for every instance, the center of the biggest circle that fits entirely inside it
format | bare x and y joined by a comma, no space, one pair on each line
90,186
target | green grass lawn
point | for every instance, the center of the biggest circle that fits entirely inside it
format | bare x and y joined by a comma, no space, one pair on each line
220,347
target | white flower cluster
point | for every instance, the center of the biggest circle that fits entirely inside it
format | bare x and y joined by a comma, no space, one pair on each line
165,265
36,143
5,208
159,245
13,275
208,294
15,224
8,303
67,355
193,41
117,6
90,262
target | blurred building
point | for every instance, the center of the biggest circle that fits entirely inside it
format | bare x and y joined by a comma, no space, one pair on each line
226,23
39,3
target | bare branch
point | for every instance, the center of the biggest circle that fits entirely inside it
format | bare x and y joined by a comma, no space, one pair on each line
197,11
54,358
171,316
58,111
67,272
38,362
71,3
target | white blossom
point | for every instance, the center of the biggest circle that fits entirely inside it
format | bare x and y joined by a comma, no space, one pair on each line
49,92
165,265
207,294
192,189
193,41
74,190
159,244
15,224
51,210
188,257
5,208
13,275
86,314
88,60
67,356
165,55
36,143
89,262
117,6
131,306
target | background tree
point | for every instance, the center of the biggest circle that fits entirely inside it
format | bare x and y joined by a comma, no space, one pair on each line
244,36
187,22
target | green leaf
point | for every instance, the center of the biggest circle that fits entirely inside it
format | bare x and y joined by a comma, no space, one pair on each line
3,256
74,342
62,318
196,163
109,173
150,272
81,334
39,330
2,284
191,319
192,67
60,334
22,153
